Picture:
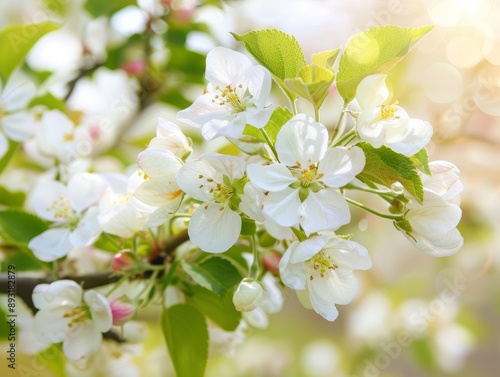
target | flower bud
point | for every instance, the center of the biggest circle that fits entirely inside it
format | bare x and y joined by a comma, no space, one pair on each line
248,295
122,309
123,261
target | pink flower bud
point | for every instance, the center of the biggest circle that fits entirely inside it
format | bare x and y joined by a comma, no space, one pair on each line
122,309
123,261
271,262
134,67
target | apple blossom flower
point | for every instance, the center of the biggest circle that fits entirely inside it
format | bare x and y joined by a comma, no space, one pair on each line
236,96
217,181
247,296
271,302
159,189
15,122
431,226
170,137
303,186
68,315
73,211
320,270
444,181
389,125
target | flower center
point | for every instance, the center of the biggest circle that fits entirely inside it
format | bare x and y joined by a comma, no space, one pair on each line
62,208
228,96
307,177
321,263
387,112
77,315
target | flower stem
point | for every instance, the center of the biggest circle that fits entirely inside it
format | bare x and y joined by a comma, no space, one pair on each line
316,113
347,138
350,186
384,215
270,143
338,128
255,268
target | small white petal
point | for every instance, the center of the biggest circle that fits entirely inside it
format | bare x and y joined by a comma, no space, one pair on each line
214,228
45,196
324,308
203,110
158,162
258,117
324,210
275,177
348,255
302,140
87,231
51,244
338,286
420,133
50,325
445,245
54,128
18,97
340,166
308,249
82,340
18,126
293,275
225,66
283,206
161,215
259,85
100,310
38,296
444,181
158,191
372,91
85,190
64,292
4,145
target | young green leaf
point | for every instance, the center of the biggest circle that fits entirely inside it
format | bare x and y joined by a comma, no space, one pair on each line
215,274
421,161
186,334
278,118
99,8
20,227
385,167
374,51
16,41
11,198
279,52
221,310
49,101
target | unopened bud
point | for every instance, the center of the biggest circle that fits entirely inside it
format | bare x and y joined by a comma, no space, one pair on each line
271,262
248,296
122,309
123,261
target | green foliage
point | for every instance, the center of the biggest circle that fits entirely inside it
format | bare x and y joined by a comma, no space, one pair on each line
219,309
24,260
421,161
423,353
279,117
16,41
279,52
49,101
99,8
248,227
11,198
215,274
385,167
374,51
186,334
18,227
315,79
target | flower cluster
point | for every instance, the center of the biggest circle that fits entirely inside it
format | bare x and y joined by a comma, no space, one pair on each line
186,230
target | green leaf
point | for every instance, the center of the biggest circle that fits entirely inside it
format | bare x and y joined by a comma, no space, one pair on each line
385,167
11,198
186,335
4,161
325,58
99,8
16,41
221,310
215,274
20,227
374,51
279,117
421,161
279,52
49,101
24,260
423,353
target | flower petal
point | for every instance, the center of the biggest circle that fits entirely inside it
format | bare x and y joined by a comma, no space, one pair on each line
45,198
302,140
19,126
4,145
259,85
293,275
282,207
324,308
18,97
372,91
158,191
444,181
203,110
50,325
225,66
445,245
338,286
348,255
420,133
82,340
340,165
51,244
275,177
324,210
308,249
258,117
214,227
100,310
85,190
87,231
158,162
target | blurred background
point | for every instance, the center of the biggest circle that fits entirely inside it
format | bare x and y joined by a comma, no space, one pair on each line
414,315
